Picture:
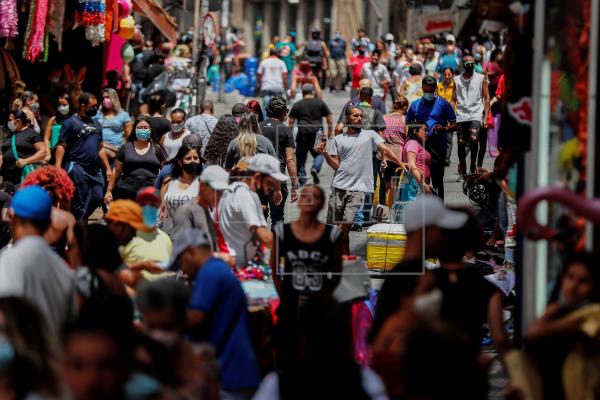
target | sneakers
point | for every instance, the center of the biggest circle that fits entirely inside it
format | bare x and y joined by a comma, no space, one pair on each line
315,176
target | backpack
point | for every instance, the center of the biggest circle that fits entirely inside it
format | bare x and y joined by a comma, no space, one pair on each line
314,51
368,116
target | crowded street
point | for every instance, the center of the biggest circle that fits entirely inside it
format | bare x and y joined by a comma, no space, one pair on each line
299,199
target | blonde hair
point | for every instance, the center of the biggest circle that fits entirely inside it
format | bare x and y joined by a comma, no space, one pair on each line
246,140
114,97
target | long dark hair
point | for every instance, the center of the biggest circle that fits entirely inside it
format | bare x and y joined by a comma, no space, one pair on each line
225,131
97,246
590,262
181,153
58,117
413,129
159,150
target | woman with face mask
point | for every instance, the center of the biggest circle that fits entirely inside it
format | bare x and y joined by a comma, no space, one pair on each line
182,185
116,123
22,150
29,353
137,163
63,111
29,103
172,141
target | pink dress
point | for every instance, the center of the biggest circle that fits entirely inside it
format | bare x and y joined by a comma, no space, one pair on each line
423,156
394,133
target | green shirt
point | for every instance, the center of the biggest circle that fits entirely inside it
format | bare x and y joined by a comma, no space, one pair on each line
287,51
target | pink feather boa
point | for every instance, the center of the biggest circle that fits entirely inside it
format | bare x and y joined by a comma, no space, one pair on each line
8,18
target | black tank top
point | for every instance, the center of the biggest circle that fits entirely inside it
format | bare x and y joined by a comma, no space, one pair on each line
306,265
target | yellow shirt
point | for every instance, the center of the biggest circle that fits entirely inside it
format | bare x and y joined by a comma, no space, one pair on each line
448,93
153,246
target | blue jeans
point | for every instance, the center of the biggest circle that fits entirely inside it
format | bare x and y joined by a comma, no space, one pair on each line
89,190
363,213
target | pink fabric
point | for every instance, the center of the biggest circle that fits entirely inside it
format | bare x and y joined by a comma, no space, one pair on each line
394,131
8,18
423,156
362,321
113,55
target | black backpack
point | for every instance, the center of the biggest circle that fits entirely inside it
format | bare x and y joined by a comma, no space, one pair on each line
314,51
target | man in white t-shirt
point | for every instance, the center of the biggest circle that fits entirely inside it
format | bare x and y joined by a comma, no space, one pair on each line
350,155
271,77
29,268
377,73
241,219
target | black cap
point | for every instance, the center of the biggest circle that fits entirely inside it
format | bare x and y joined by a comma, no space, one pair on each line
239,109
429,81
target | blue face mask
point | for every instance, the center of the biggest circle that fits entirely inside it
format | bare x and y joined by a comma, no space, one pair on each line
142,134
7,353
141,386
429,96
150,215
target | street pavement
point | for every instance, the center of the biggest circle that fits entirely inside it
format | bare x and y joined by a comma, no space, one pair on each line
358,240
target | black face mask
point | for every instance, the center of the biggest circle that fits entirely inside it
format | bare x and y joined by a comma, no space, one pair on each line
192,168
91,113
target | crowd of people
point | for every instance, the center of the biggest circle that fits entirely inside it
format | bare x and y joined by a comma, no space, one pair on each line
127,240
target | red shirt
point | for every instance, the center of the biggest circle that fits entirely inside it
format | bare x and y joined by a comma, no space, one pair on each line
357,62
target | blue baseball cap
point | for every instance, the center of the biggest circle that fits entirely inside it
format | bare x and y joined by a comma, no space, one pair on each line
32,202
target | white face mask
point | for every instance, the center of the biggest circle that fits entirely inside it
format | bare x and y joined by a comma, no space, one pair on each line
63,109
11,126
429,305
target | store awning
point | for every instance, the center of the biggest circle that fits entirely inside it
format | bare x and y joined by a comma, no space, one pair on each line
159,17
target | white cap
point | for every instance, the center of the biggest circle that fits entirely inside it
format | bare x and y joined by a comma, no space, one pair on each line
215,177
389,36
450,38
268,165
429,210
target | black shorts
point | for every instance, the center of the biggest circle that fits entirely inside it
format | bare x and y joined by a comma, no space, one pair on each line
468,131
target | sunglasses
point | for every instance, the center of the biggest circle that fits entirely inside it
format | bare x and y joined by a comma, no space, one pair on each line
469,64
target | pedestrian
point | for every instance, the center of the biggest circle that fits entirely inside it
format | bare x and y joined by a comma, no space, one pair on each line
152,245
167,167
416,157
81,147
249,142
254,107
287,52
22,150
317,54
30,269
172,140
439,116
115,122
201,213
271,77
54,125
493,69
240,216
98,353
301,76
558,332
282,138
448,60
156,109
225,131
60,187
447,89
30,105
395,137
376,101
361,41
357,62
337,63
411,88
309,113
306,255
386,59
472,112
218,313
390,44
377,73
181,186
203,124
350,155
31,352
137,163
238,110
431,59
97,259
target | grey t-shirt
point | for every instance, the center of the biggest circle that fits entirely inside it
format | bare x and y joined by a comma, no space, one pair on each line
355,152
263,145
193,216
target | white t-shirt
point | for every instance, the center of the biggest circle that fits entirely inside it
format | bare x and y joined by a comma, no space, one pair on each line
371,383
377,76
355,152
30,269
271,69
239,210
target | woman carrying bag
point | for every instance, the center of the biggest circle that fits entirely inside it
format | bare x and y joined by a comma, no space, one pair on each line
23,149
417,177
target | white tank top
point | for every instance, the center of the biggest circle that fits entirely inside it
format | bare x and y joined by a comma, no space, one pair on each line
175,197
469,98
171,145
